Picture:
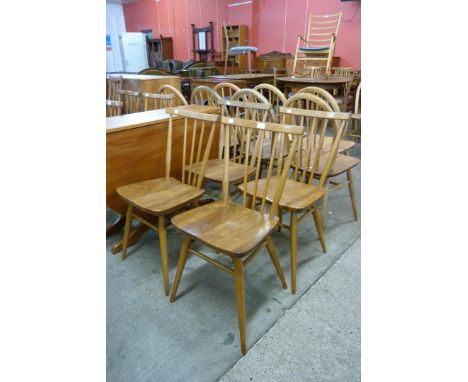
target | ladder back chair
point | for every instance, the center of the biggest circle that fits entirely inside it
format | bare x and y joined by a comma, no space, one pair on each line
239,231
179,98
131,101
236,51
300,194
344,163
113,108
166,196
322,32
154,101
114,83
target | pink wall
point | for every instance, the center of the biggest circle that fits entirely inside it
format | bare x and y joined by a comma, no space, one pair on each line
272,24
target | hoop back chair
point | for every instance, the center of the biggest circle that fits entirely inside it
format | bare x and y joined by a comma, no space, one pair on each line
131,101
322,32
226,90
165,196
113,108
179,98
356,133
239,231
236,51
274,96
204,95
114,83
154,101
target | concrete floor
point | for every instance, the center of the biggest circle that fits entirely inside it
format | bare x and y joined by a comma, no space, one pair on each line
196,338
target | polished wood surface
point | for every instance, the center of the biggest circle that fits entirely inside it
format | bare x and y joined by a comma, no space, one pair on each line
241,80
148,83
136,149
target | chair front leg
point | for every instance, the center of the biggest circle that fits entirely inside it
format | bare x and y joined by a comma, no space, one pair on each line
163,246
293,239
128,225
351,193
274,258
319,226
180,266
240,300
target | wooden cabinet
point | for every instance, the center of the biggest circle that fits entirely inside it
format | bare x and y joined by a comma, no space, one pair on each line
237,37
159,49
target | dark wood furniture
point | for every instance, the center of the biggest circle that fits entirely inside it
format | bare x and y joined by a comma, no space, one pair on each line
159,49
202,39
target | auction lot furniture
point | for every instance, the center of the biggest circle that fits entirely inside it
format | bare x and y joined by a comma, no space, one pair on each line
234,47
147,83
135,151
241,80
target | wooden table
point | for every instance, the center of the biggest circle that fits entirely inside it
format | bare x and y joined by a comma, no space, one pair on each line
293,84
147,83
136,151
241,80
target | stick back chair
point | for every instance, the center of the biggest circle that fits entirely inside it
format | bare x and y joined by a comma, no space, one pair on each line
154,101
131,101
204,95
114,83
344,163
226,90
274,96
236,51
113,108
165,196
239,231
356,133
300,194
320,42
179,98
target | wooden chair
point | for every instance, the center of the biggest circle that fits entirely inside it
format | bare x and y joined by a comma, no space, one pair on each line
162,197
113,108
226,90
300,194
131,101
114,84
320,42
238,231
204,95
236,51
179,98
274,96
344,163
355,134
345,145
153,101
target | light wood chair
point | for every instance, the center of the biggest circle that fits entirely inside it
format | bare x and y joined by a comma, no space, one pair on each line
113,108
238,231
163,197
226,90
345,145
236,51
131,101
179,98
114,84
300,194
154,101
320,43
274,96
355,134
204,95
344,163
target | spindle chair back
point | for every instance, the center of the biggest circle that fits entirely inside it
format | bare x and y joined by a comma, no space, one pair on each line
113,108
274,96
226,90
154,101
204,95
179,98
114,84
131,101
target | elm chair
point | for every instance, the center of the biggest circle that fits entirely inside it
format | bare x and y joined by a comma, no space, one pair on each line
238,231
114,83
355,134
320,42
204,95
300,194
274,96
166,196
226,90
131,101
154,101
236,51
113,108
179,98
344,163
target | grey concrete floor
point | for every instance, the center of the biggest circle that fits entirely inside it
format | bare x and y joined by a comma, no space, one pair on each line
196,338
319,338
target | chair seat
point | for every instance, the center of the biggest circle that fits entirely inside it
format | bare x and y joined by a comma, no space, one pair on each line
314,49
345,144
295,196
159,196
215,171
342,164
236,50
226,226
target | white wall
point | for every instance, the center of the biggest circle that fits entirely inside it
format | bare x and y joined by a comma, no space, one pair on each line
115,26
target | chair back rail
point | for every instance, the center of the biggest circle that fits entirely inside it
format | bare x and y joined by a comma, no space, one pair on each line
131,101
179,98
113,108
153,101
114,83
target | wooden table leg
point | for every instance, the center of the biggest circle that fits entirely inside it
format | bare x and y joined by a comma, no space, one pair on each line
132,239
115,227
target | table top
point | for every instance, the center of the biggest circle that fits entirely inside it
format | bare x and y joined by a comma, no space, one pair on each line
150,117
241,76
316,80
141,77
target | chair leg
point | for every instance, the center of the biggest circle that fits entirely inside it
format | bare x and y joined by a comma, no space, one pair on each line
249,64
293,239
163,246
128,224
319,226
225,64
325,203
240,299
274,258
180,266
280,215
351,193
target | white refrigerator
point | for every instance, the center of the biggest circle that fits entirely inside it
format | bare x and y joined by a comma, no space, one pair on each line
133,48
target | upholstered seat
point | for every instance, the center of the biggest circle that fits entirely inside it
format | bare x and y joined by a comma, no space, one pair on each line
241,50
